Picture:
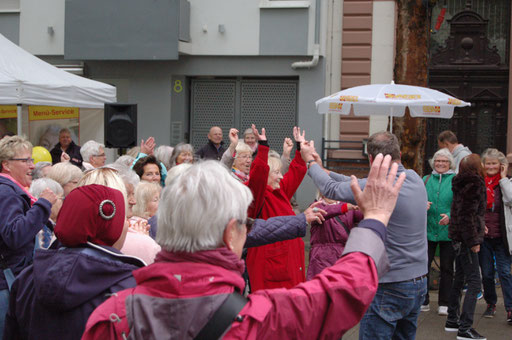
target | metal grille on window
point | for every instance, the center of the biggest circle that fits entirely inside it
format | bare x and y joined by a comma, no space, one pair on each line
272,105
212,104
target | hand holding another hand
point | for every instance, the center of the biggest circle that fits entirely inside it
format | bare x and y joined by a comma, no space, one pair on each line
314,214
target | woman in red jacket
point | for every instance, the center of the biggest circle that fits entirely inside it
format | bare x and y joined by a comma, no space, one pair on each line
281,264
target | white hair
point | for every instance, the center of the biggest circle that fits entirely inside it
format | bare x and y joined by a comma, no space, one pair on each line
125,160
494,153
163,154
37,187
38,169
127,175
176,171
90,148
143,195
195,209
444,152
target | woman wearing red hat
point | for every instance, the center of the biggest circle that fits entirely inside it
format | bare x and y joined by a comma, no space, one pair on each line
53,298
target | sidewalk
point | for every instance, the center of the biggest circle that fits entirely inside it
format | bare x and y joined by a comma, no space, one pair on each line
431,325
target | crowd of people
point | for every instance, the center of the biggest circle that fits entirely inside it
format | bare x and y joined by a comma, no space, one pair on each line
167,242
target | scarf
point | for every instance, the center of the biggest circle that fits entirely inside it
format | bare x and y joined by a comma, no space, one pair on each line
240,174
490,184
9,177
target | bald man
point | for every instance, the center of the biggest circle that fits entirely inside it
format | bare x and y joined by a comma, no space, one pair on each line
214,148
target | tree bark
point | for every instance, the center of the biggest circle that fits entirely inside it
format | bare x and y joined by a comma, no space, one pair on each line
411,68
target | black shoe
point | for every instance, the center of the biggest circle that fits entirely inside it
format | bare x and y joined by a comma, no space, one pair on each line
451,326
470,334
490,311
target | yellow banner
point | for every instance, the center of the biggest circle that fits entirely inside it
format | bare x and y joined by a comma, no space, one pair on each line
8,111
52,112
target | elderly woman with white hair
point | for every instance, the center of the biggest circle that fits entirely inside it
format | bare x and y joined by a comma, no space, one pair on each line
22,215
37,188
497,243
66,174
238,157
41,170
182,153
200,258
440,196
93,155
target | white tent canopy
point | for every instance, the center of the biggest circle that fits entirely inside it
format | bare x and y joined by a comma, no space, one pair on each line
26,79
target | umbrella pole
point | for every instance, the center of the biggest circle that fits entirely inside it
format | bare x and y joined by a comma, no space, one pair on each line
391,123
18,124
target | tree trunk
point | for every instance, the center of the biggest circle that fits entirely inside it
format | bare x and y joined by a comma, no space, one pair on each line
411,68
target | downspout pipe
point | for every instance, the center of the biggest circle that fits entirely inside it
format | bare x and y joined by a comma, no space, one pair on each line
316,48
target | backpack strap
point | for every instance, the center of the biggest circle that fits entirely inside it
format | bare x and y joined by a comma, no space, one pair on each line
338,219
223,317
426,180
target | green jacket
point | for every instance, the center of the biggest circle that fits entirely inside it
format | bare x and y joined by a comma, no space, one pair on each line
439,191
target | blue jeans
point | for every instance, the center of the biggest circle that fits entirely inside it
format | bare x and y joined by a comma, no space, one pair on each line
495,247
393,313
4,306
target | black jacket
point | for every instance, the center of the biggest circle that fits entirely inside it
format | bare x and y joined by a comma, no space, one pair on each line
467,217
209,151
73,151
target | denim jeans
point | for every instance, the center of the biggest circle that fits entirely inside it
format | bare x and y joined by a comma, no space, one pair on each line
393,313
495,247
4,306
466,270
446,259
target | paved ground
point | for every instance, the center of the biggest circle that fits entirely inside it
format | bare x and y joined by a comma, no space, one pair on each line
431,325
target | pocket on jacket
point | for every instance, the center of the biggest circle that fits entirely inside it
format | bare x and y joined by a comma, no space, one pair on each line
276,263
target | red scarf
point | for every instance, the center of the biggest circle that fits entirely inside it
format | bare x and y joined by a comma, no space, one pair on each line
491,183
9,177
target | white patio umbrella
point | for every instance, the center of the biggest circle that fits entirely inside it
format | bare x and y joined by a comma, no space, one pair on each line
390,100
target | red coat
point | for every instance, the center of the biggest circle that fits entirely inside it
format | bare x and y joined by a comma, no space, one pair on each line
281,264
177,294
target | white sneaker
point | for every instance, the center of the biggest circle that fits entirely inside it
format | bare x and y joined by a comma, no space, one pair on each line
425,308
442,310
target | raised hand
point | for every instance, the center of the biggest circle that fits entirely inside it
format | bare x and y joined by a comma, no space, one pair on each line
262,137
298,136
233,136
287,147
147,147
503,170
64,157
314,214
307,149
378,199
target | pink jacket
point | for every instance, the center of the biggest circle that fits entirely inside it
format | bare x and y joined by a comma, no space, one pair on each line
189,287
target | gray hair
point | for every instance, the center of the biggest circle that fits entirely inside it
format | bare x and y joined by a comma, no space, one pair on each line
64,172
127,175
384,142
178,149
90,148
242,147
39,185
444,152
163,154
248,131
10,146
176,171
494,153
38,169
207,188
126,160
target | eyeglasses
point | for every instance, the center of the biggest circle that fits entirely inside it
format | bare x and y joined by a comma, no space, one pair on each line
100,155
248,223
441,161
244,157
24,160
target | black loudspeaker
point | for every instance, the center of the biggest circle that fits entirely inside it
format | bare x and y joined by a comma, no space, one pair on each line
120,125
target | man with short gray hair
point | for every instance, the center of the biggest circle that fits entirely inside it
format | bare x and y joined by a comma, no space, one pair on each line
214,149
68,147
394,311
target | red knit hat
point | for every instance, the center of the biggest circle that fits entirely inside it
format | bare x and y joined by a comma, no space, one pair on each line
93,213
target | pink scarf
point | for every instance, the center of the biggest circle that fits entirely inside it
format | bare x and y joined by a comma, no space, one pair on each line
240,174
9,177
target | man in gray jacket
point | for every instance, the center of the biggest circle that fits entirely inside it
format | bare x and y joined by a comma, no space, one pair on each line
447,139
395,309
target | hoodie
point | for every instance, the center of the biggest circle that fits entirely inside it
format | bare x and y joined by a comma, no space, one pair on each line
458,154
53,298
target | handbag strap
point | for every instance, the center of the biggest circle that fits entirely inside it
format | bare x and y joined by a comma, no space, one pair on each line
223,317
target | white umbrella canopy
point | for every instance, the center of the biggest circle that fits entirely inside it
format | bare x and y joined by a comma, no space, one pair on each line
390,100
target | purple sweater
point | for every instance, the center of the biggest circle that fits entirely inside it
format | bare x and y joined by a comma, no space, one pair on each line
328,239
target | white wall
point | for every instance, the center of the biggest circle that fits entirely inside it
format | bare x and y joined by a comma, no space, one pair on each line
383,52
241,20
9,5
35,18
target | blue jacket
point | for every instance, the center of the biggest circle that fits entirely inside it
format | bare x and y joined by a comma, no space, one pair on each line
19,224
264,232
53,298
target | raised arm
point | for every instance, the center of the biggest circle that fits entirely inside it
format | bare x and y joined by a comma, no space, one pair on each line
297,170
258,176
